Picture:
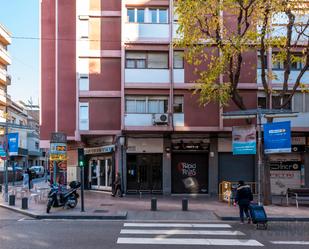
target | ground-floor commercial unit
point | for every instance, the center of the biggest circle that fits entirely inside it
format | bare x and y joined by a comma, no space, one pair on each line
184,164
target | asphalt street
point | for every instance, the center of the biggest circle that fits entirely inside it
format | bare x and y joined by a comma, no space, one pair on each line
20,232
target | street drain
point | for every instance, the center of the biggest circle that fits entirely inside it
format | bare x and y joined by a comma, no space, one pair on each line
100,211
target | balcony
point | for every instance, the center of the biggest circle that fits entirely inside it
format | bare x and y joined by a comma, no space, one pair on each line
4,57
3,99
3,76
5,36
179,119
147,76
279,74
179,76
146,32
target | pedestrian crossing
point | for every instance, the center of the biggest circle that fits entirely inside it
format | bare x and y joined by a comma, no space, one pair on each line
208,234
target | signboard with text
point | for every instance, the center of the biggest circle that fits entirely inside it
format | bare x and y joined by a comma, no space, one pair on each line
277,137
13,144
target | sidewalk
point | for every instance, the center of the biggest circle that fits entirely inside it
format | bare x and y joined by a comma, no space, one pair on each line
100,205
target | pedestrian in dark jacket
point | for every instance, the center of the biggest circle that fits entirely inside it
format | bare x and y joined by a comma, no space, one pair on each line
30,178
243,198
117,185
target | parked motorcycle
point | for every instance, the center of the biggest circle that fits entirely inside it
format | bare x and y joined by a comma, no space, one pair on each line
59,197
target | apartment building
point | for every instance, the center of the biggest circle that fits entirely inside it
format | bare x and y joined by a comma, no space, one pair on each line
114,83
5,79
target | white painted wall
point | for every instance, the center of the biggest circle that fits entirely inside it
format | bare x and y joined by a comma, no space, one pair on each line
138,119
147,76
146,31
280,76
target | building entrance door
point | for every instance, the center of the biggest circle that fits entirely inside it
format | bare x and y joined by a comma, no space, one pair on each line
144,173
101,173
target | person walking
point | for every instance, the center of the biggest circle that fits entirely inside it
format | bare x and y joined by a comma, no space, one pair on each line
117,185
243,199
29,178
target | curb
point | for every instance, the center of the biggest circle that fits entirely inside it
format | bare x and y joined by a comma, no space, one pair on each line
281,219
67,217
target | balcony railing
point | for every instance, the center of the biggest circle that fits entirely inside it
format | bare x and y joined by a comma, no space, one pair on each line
147,75
146,31
4,56
279,76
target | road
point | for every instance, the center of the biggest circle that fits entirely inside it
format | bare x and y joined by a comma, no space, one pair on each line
20,232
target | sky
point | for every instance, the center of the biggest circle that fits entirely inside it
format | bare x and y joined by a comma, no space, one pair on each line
21,18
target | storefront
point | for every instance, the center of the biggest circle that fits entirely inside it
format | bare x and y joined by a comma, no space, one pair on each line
144,165
190,167
233,168
101,167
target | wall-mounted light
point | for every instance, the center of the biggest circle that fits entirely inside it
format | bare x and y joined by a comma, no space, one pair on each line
122,140
168,150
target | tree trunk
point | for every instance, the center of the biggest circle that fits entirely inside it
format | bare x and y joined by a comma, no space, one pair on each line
267,200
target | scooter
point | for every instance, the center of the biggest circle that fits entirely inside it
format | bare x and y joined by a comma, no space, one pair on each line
59,197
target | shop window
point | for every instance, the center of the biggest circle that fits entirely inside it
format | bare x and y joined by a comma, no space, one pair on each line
178,60
178,104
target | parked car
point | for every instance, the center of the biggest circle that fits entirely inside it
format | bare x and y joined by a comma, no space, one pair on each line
39,170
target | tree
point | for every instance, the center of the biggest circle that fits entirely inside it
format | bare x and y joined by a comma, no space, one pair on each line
219,33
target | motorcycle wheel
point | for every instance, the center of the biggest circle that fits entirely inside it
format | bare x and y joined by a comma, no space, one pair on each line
74,204
49,205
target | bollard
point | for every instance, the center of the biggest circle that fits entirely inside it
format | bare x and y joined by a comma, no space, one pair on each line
153,204
12,200
24,203
184,204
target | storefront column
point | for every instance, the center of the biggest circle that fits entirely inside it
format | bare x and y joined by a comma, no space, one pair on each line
213,167
166,171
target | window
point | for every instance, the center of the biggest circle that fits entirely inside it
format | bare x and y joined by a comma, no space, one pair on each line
178,104
21,122
163,16
259,64
84,28
298,102
131,15
146,104
83,116
306,102
13,120
157,60
140,15
151,60
84,83
262,102
152,15
178,60
36,145
276,103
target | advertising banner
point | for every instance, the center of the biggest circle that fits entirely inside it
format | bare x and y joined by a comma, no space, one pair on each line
13,144
244,140
277,137
58,151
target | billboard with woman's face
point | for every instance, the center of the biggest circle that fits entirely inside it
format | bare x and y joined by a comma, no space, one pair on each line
244,140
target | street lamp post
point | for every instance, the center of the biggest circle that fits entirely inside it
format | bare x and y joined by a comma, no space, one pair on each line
122,143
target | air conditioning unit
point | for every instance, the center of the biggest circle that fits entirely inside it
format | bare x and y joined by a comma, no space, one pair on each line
160,119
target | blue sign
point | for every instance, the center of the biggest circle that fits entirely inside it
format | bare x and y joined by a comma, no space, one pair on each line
277,137
244,140
13,144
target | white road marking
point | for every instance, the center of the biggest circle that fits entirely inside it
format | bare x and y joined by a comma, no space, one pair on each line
290,242
169,241
181,232
183,225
